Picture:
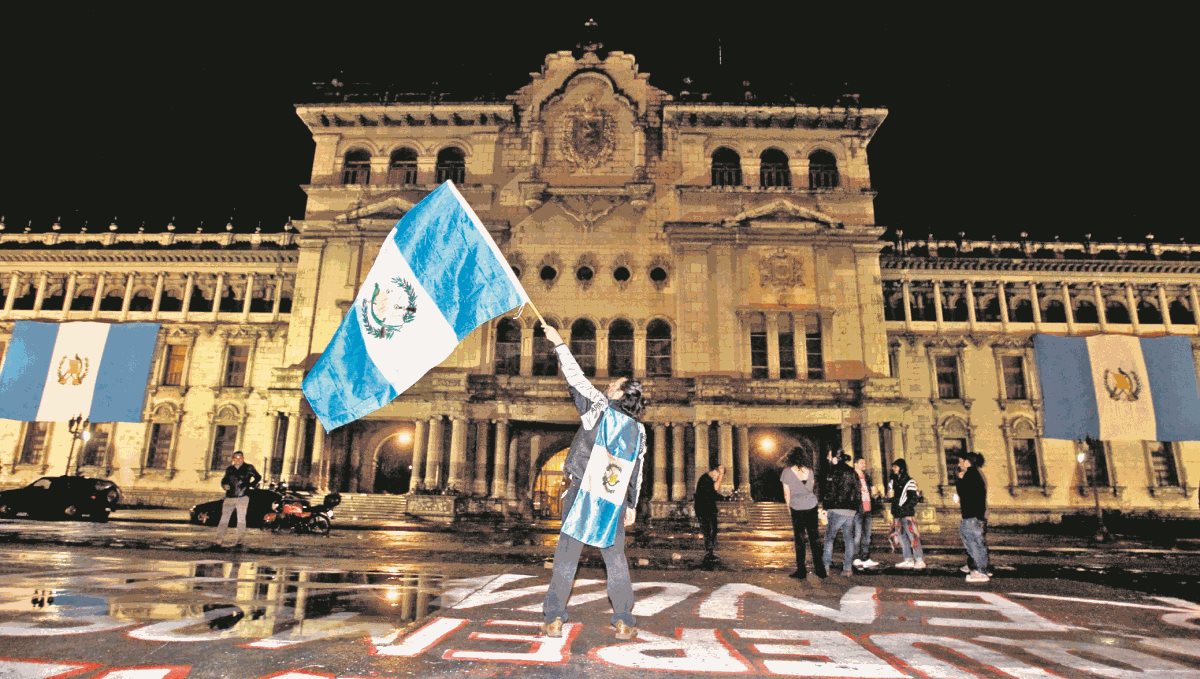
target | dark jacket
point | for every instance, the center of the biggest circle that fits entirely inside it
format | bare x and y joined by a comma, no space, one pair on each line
706,496
972,494
841,489
237,481
905,496
591,404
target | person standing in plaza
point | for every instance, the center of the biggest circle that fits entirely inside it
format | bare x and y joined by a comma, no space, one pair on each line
604,464
905,496
862,519
240,476
972,501
842,500
800,493
705,502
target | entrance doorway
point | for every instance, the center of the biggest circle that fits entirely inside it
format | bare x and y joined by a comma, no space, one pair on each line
769,448
548,490
393,463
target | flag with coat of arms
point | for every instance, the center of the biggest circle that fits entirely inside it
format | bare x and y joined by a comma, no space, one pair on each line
439,275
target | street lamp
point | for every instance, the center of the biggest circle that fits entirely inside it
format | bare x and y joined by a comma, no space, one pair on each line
79,428
1088,454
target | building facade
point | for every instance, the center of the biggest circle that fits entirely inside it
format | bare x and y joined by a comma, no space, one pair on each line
725,253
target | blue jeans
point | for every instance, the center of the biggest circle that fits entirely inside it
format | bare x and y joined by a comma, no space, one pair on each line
972,532
862,535
840,520
909,537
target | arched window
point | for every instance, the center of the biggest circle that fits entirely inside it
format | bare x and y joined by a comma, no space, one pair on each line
402,168
956,310
508,347
773,169
114,297
141,300
1181,314
620,349
172,299
451,165
1115,312
1148,313
357,167
55,295
1022,311
658,349
545,363
225,437
1085,312
922,303
83,299
1054,312
822,170
989,311
893,301
726,167
583,345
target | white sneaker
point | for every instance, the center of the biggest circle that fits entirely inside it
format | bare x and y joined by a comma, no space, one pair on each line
858,563
976,576
964,569
919,565
870,563
907,563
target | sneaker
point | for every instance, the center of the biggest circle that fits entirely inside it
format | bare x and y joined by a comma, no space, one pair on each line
858,563
976,576
907,563
624,631
964,569
870,563
552,629
919,565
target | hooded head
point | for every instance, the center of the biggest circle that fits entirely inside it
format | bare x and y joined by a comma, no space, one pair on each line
901,465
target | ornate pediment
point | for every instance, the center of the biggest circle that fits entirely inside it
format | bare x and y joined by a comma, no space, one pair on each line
393,207
783,211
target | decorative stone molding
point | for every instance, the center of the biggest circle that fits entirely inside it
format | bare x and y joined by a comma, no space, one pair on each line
588,135
586,210
780,270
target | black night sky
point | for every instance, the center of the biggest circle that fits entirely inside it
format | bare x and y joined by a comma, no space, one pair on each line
1000,121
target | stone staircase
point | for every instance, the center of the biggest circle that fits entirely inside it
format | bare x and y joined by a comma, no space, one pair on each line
769,516
371,508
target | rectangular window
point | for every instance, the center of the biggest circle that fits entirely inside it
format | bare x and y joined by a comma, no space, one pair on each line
947,377
952,449
812,347
1014,377
235,365
894,361
159,449
34,446
758,355
658,357
224,443
1026,462
1162,464
787,355
1096,465
95,450
172,374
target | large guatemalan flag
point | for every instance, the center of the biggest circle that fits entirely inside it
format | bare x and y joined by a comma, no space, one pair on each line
439,275
1118,387
55,371
599,508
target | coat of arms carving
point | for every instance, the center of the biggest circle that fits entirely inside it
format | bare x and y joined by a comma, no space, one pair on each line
588,135
780,270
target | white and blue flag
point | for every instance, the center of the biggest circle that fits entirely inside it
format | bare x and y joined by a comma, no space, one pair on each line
599,507
55,371
438,276
1118,387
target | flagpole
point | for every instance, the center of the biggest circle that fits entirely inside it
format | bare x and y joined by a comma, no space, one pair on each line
536,312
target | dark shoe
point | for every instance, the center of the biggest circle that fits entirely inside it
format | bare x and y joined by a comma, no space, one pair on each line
624,631
799,575
552,629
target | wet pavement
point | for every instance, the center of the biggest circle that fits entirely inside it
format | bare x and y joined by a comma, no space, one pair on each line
128,600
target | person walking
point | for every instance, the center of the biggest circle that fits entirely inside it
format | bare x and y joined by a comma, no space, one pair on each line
705,502
240,476
800,493
862,519
842,500
972,501
604,463
905,496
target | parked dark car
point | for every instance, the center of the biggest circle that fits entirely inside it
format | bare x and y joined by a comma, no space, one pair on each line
62,497
261,504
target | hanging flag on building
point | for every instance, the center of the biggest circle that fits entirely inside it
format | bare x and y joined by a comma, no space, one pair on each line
438,276
1118,387
55,371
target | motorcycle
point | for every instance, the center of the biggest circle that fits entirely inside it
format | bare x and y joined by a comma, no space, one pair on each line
292,513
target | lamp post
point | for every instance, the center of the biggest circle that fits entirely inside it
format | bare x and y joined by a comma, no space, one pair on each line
79,426
1088,454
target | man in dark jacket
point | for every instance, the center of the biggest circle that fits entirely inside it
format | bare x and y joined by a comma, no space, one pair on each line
604,464
842,499
905,496
705,502
972,501
239,478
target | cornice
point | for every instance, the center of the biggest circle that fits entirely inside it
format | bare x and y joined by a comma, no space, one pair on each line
272,258
972,264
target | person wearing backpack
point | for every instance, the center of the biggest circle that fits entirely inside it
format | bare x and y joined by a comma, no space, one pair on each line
905,495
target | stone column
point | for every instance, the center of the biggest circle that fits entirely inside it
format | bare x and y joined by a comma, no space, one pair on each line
40,295
500,451
938,314
156,303
278,293
800,344
970,303
660,461
678,488
526,351
513,453
1002,298
1067,308
1194,298
743,459
100,280
458,452
1131,302
316,474
602,350
639,350
1164,307
773,345
1101,307
1037,306
725,454
906,290
847,432
417,480
14,280
68,294
535,449
870,439
249,297
218,291
188,288
480,482
700,450
125,302
433,454
291,447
